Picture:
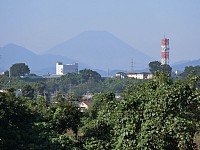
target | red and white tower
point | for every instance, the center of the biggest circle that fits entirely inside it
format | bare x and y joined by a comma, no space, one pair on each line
165,51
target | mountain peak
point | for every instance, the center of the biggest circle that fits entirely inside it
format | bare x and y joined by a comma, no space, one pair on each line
93,35
101,50
95,32
14,48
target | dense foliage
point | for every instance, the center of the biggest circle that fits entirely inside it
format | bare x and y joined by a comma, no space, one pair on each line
15,122
79,84
161,113
25,124
19,69
155,66
195,70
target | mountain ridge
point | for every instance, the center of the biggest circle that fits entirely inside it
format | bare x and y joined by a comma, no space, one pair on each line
45,63
40,64
181,66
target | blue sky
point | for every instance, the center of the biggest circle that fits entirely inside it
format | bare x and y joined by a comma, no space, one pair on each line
41,24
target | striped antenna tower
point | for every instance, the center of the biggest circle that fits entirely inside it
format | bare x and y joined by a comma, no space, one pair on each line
165,51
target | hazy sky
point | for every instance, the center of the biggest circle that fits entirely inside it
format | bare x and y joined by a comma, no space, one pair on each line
41,24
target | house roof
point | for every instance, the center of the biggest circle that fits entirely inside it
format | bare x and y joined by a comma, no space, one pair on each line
89,104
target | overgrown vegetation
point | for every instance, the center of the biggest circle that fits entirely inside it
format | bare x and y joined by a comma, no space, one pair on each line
78,84
161,113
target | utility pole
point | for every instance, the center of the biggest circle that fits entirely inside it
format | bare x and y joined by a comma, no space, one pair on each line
132,67
108,72
9,72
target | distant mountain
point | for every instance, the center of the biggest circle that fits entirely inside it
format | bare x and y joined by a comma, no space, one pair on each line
101,50
181,66
39,64
96,50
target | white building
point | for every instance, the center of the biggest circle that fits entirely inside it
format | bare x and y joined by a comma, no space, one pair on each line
62,69
140,75
121,75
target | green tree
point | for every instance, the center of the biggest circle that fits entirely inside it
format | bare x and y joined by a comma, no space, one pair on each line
56,125
88,74
166,68
59,97
19,69
158,114
41,104
6,73
154,66
71,78
40,87
98,123
164,114
28,91
16,122
52,85
65,115
195,70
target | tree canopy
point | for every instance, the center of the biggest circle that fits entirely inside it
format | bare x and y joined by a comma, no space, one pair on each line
195,70
88,74
25,124
19,69
154,66
159,114
157,66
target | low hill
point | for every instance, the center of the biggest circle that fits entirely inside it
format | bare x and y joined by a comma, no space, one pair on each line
39,64
181,66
